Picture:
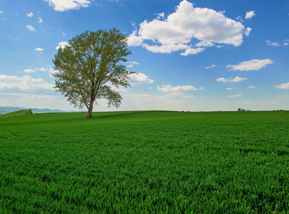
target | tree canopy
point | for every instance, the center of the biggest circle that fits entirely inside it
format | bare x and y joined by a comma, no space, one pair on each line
89,65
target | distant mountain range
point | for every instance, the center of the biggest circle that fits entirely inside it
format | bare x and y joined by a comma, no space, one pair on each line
8,109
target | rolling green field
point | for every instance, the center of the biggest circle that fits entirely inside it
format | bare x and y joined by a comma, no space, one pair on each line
145,162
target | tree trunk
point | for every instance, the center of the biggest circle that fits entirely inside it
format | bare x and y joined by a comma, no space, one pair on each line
89,113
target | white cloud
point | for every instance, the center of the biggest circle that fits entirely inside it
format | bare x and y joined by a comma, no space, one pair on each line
30,28
237,95
191,51
39,49
62,45
64,5
175,32
29,14
251,87
63,34
247,31
134,40
132,62
43,69
229,88
2,15
166,48
282,86
236,79
250,14
160,15
150,88
211,66
40,20
240,18
25,84
169,88
174,94
29,71
254,64
275,44
285,43
139,79
190,96
180,94
204,44
282,97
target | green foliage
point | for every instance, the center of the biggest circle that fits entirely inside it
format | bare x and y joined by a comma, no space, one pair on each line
88,64
145,162
17,113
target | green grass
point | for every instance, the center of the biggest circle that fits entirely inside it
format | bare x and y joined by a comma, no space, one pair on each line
17,113
145,162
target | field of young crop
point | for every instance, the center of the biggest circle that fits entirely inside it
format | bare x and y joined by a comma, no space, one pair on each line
145,162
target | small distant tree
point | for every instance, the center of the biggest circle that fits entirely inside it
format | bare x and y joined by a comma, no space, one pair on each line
88,64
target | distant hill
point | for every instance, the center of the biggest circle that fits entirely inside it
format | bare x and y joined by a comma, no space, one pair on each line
8,109
17,113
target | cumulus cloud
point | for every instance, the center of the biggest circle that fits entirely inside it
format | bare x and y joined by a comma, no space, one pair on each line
229,88
29,71
40,20
62,45
254,64
43,69
191,51
282,86
30,28
160,15
29,14
250,14
251,87
236,79
139,79
64,5
248,31
175,32
211,66
169,88
39,49
275,44
131,64
237,95
134,40
25,84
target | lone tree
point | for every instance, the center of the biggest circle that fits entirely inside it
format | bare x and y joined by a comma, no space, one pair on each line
88,63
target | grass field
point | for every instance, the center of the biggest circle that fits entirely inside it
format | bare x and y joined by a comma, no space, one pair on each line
145,162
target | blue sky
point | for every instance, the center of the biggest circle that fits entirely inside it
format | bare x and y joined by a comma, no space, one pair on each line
201,55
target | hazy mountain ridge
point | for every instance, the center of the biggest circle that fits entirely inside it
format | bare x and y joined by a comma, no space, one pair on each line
8,109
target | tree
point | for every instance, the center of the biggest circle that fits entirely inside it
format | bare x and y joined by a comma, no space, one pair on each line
88,64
